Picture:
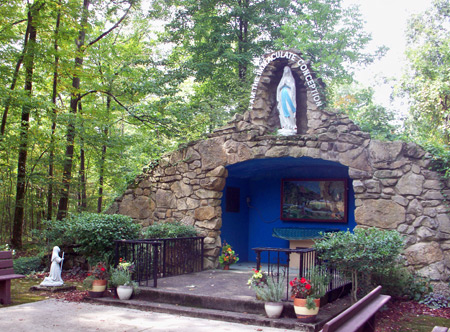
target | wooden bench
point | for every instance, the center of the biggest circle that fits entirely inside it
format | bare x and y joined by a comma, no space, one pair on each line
360,316
6,274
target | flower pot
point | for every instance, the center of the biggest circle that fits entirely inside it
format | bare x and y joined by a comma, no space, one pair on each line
273,309
99,285
94,294
226,267
124,292
304,314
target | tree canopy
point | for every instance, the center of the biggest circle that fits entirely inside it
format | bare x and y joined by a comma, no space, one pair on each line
91,91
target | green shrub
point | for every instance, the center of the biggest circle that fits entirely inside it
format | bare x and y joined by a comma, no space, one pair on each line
27,265
436,301
93,233
402,283
169,230
361,254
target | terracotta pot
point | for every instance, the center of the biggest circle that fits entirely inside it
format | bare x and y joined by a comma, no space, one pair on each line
226,267
99,285
124,292
304,314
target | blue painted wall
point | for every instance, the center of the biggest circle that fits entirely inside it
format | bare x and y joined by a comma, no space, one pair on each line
260,180
235,225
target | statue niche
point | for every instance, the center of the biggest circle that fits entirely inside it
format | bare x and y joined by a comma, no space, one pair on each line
288,99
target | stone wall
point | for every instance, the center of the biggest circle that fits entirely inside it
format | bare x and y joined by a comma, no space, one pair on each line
393,184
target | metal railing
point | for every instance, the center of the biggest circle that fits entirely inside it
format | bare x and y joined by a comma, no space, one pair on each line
159,258
292,263
145,256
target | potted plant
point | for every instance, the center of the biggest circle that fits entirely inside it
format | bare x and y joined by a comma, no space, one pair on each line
97,278
271,292
307,293
121,278
228,256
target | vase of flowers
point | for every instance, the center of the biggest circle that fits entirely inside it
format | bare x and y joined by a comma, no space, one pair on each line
258,278
121,278
228,256
307,293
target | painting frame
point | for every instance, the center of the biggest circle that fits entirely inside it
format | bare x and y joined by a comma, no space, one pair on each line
314,200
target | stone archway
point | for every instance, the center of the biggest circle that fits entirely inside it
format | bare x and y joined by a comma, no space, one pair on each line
392,181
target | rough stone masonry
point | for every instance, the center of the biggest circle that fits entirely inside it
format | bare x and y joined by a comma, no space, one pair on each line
394,185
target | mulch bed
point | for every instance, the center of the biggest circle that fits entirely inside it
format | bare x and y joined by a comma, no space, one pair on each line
398,310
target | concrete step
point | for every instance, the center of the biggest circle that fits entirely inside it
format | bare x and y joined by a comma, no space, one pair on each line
222,315
224,309
235,304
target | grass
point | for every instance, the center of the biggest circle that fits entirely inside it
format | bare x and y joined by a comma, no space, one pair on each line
21,293
413,323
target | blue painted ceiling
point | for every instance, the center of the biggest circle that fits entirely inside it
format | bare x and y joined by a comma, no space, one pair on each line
262,167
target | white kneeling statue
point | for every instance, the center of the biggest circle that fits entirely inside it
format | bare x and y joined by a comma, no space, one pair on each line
287,104
54,277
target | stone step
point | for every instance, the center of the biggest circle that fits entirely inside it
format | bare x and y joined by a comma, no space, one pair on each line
244,304
214,314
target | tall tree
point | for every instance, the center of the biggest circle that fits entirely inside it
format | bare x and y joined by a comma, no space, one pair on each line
28,59
217,42
331,36
75,99
427,78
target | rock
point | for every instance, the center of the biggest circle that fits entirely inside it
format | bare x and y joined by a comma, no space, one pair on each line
411,184
205,213
380,213
423,253
381,151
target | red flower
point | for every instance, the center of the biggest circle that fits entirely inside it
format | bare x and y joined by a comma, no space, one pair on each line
302,280
103,269
308,286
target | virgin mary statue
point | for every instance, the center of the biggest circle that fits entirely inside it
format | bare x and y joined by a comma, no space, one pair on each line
287,104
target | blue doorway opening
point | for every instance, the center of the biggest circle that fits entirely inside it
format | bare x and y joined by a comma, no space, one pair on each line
252,199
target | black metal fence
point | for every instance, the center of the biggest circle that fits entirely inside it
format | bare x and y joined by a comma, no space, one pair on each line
292,263
159,258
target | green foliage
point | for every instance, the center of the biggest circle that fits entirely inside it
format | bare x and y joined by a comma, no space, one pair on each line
27,265
358,104
169,230
272,291
427,75
402,283
93,233
329,35
440,157
320,280
436,301
361,254
122,275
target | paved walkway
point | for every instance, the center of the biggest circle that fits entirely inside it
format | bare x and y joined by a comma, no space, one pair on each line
56,315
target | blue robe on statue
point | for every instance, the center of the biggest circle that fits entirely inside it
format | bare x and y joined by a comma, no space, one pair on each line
285,101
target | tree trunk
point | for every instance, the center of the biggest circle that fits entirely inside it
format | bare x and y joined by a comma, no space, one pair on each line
102,160
68,160
82,173
14,80
52,138
16,240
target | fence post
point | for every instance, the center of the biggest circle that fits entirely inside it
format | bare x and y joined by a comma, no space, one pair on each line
155,263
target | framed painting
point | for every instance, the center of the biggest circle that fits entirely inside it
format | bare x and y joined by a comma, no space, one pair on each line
314,200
